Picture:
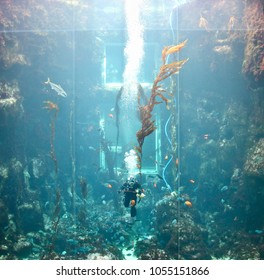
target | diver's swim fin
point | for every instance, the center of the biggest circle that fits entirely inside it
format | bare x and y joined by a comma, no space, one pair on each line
133,211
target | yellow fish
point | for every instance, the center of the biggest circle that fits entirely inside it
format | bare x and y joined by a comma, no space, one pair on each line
188,203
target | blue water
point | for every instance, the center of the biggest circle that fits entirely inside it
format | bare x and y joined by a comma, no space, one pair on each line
62,158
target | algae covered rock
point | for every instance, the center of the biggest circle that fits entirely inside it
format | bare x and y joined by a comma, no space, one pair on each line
178,234
3,220
3,215
254,166
10,100
31,218
22,247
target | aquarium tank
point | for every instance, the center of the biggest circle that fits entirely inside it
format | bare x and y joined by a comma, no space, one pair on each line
131,130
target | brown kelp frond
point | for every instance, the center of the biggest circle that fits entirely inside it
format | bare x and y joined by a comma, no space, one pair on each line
164,54
147,128
157,91
169,69
166,70
55,108
50,106
170,50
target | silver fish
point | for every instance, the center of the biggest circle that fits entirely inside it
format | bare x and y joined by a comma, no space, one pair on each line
57,88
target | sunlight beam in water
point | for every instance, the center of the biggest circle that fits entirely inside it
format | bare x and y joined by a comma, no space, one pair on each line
134,50
134,53
181,2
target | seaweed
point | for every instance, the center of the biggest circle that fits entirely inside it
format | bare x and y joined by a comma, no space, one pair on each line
147,123
54,229
52,107
83,187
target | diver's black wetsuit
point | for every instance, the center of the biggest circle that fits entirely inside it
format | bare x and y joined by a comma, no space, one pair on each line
132,190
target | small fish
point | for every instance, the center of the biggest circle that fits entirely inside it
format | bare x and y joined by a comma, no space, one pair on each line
188,203
60,91
111,116
166,157
224,188
191,181
177,162
160,177
107,185
206,136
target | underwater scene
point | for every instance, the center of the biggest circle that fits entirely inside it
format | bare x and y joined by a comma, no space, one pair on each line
131,130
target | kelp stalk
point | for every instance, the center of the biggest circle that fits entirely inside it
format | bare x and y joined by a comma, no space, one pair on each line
55,109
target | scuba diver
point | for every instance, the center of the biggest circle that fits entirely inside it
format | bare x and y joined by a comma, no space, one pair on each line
132,191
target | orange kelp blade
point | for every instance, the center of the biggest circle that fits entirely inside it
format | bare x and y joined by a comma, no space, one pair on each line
171,49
